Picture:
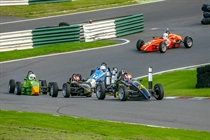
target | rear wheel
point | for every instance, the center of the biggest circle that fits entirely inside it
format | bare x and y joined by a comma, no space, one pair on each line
100,91
123,93
162,47
139,44
158,92
66,90
11,86
188,42
54,89
18,88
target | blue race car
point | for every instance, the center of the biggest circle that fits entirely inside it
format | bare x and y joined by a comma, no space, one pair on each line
98,75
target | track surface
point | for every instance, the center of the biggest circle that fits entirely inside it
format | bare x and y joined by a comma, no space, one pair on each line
181,17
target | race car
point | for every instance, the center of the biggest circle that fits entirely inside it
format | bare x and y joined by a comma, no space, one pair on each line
167,41
97,75
76,86
125,88
31,86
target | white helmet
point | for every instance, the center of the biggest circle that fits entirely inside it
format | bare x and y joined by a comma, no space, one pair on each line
103,68
32,76
165,36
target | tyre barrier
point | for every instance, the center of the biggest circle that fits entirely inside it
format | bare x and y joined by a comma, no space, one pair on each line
206,14
203,77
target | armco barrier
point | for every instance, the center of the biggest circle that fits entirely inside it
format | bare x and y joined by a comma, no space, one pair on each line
129,25
98,31
16,40
45,1
58,34
27,2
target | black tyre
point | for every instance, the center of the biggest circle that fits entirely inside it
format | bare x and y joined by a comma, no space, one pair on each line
63,24
123,93
158,92
162,47
11,86
44,87
100,91
188,42
66,90
139,44
18,88
54,89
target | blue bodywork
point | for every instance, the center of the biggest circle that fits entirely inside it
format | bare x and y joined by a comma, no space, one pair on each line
99,75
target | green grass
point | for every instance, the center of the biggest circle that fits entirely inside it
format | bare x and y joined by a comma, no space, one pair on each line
24,125
51,49
179,83
51,9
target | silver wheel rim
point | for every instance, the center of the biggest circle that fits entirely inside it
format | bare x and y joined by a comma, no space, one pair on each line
15,90
9,88
98,91
51,91
120,92
64,91
189,42
164,48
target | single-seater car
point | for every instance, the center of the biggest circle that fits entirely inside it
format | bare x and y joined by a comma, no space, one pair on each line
76,86
30,86
122,86
165,42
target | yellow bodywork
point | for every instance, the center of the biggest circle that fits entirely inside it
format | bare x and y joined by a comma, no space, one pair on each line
35,90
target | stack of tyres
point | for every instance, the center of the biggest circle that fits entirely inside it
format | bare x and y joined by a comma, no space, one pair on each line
203,77
206,14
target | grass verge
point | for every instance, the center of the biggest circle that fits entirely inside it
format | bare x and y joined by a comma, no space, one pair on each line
179,83
51,49
33,126
51,9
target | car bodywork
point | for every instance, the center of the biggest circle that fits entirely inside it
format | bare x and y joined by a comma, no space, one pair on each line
28,87
160,44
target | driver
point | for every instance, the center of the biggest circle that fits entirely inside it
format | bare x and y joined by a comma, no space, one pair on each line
32,77
103,68
165,36
76,78
127,77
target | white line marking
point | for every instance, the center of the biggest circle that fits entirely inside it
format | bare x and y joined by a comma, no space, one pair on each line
126,41
76,13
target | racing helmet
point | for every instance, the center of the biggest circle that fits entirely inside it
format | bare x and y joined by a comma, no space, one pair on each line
76,78
103,68
32,76
127,77
165,36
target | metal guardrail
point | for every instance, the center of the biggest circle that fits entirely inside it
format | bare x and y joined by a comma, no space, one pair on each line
27,2
53,35
16,40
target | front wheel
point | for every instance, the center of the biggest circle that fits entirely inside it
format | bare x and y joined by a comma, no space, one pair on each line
188,42
123,93
18,88
66,90
158,92
100,91
54,89
139,44
11,86
162,47
44,87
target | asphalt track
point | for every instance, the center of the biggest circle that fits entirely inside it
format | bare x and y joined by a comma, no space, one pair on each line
181,17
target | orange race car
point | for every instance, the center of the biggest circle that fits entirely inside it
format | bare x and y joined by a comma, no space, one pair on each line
167,41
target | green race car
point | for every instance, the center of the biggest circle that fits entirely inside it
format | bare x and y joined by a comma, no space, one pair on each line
30,86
